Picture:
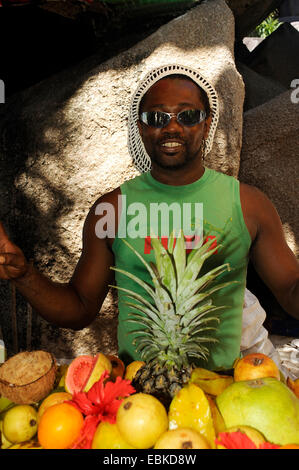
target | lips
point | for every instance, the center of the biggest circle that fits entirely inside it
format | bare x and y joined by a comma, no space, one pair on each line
171,145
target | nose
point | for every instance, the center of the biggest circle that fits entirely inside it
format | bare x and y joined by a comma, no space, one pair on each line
173,125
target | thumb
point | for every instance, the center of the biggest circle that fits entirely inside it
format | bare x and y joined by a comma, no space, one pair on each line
11,259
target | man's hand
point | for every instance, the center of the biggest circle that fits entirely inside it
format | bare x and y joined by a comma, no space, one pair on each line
13,264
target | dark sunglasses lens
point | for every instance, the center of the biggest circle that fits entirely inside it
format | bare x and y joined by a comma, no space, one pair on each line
191,117
157,119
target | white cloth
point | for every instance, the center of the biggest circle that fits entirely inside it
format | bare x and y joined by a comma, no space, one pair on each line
254,336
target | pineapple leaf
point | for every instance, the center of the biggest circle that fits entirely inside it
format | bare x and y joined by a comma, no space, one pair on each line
147,287
198,326
171,243
200,283
198,315
147,312
179,256
194,266
165,267
143,332
135,296
195,299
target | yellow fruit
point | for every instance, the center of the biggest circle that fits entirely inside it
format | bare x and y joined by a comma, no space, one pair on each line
141,419
101,365
107,436
20,423
50,400
5,443
250,432
62,370
190,408
26,445
182,438
132,368
218,421
210,382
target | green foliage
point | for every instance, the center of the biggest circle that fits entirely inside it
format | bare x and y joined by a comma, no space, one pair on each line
269,25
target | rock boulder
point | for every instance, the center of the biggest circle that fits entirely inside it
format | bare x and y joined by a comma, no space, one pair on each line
64,143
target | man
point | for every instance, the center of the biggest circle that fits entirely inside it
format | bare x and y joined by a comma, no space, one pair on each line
176,117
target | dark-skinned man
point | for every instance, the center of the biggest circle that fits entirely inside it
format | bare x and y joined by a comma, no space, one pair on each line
176,113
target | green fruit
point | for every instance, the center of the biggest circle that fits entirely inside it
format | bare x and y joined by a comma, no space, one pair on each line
5,403
266,404
20,423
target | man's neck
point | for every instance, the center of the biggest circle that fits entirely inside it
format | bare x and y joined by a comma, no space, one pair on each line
179,177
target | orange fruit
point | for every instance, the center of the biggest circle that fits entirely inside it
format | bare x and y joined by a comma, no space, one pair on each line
50,400
59,426
118,367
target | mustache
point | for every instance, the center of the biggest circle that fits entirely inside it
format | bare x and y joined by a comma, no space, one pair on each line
172,136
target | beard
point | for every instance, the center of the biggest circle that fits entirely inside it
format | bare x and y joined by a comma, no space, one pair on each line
171,162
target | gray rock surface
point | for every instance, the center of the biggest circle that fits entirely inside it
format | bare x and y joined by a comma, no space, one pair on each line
269,158
64,143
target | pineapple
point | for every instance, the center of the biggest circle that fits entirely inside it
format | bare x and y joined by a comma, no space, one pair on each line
174,324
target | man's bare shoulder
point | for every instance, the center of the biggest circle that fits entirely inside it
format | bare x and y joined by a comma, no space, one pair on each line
106,207
256,207
250,191
251,196
109,197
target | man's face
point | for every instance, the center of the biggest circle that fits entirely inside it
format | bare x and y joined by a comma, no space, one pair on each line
174,146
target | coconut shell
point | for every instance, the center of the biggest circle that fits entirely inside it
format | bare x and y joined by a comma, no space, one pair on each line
28,377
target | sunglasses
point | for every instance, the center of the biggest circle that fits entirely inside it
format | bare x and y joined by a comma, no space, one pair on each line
159,119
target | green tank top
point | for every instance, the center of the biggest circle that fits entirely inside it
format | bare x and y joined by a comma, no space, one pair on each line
223,220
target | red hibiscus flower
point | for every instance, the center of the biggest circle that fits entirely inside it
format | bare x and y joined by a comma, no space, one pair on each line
239,440
100,403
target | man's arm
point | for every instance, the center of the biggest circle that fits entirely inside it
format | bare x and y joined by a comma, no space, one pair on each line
271,256
70,305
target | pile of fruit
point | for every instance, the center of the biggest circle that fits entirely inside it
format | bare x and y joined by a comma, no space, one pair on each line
163,401
93,404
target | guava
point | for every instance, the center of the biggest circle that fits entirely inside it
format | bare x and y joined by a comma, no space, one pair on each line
107,436
50,400
78,373
20,423
266,404
141,419
101,364
84,371
182,438
4,443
